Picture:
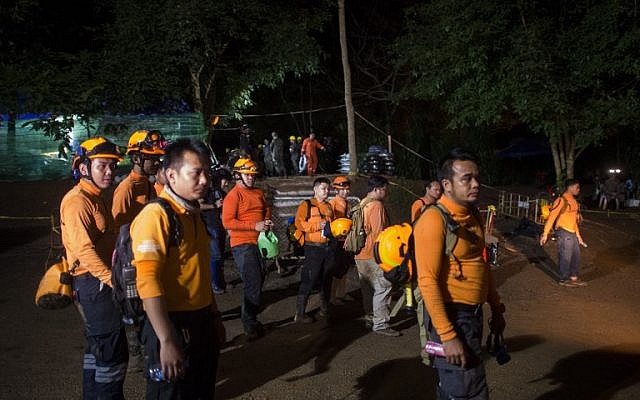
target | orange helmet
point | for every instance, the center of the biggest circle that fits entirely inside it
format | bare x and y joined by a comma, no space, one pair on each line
391,246
341,182
147,142
245,166
340,227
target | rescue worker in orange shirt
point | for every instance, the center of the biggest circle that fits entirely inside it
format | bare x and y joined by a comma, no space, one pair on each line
89,237
145,149
565,217
318,254
308,149
244,215
183,330
432,192
376,290
343,260
456,286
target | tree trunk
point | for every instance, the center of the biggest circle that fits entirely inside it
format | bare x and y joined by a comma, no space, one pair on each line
351,128
564,152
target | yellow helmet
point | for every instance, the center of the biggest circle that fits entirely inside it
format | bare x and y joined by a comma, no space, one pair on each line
245,166
545,211
147,142
97,147
299,138
391,246
292,137
341,182
340,227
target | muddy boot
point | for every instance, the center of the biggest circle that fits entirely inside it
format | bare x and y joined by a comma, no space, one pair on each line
301,305
136,350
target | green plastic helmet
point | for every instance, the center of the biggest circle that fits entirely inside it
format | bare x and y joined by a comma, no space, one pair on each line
268,245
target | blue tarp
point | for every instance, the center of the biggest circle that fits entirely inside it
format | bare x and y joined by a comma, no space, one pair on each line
524,148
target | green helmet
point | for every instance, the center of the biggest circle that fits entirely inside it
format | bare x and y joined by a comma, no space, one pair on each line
268,244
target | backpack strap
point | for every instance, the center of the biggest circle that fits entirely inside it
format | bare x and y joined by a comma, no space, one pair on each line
565,205
451,229
175,226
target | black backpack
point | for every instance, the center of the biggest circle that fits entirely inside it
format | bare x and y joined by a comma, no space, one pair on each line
123,272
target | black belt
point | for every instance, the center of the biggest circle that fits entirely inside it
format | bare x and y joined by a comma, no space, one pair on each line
314,244
470,308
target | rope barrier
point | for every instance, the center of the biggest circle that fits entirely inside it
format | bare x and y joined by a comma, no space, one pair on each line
10,218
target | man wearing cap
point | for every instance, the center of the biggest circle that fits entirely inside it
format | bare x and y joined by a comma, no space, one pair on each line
89,235
277,154
294,154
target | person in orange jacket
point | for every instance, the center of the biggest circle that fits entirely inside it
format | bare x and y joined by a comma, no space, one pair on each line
89,237
244,215
309,150
318,253
145,149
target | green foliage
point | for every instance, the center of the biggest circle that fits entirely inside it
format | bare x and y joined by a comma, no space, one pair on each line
561,68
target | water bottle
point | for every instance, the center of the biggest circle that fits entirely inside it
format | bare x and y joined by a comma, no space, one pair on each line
155,373
433,348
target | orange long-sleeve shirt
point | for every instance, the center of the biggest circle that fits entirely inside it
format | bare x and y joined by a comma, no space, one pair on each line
242,208
319,212
375,220
88,231
180,274
567,219
340,207
438,276
130,197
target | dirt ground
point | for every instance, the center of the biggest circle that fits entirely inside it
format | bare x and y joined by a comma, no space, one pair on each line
565,343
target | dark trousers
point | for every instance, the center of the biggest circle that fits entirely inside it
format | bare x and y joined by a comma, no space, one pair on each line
457,382
568,254
252,272
198,339
216,247
105,357
343,260
317,271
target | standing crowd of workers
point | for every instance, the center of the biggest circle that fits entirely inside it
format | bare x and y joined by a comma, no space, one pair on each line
178,257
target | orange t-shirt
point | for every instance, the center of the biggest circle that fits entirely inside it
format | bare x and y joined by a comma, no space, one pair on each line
439,277
241,210
88,231
375,220
568,220
180,274
340,207
130,197
319,212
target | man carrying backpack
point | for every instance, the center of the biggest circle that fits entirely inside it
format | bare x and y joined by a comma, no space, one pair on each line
314,217
376,290
183,330
245,214
131,195
456,285
564,217
88,236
